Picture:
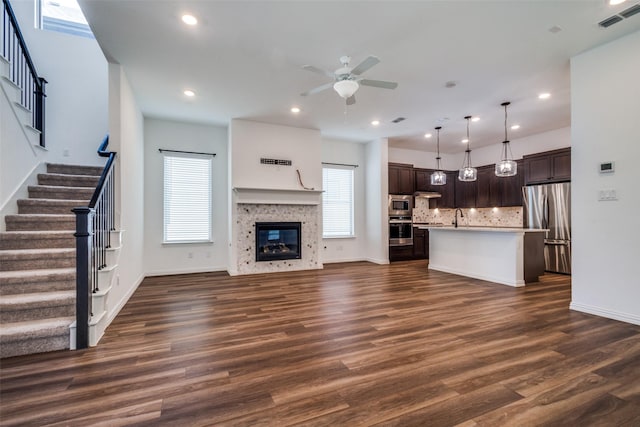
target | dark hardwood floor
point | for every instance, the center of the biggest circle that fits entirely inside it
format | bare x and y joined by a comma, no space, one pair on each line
353,344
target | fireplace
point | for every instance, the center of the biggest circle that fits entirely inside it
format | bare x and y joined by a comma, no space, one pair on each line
278,241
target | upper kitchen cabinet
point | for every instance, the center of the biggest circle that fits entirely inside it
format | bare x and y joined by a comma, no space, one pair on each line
547,167
401,180
466,193
511,188
423,183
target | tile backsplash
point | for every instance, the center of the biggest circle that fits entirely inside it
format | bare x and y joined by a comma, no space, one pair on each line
490,217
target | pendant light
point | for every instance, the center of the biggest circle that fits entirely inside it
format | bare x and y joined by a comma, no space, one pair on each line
438,177
507,166
467,173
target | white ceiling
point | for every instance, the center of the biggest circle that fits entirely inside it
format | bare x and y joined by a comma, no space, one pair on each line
244,60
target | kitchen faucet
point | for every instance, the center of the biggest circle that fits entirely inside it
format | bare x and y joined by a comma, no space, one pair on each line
455,221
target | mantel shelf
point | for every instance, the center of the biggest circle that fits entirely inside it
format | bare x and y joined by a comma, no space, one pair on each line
275,190
280,196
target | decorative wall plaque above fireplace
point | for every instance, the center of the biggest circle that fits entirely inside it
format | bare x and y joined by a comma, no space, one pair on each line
278,241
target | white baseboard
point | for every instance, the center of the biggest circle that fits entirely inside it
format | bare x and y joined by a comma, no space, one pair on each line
380,261
173,272
113,313
516,284
336,261
603,312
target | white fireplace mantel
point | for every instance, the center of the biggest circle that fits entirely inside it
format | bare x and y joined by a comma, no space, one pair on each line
277,196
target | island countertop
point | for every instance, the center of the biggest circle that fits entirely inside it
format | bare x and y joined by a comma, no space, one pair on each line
479,228
509,255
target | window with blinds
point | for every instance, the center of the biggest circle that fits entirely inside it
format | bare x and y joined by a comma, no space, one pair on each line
337,202
187,198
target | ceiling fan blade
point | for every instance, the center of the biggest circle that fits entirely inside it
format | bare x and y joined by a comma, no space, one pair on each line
318,71
378,83
365,65
317,89
351,100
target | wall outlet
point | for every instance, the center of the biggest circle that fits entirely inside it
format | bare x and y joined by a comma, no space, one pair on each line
65,152
607,195
190,255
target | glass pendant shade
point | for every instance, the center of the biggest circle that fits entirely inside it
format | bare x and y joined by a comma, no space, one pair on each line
507,166
467,172
346,88
438,177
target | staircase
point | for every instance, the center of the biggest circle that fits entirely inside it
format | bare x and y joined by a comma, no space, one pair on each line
37,262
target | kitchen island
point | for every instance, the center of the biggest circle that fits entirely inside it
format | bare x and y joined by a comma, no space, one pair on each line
510,256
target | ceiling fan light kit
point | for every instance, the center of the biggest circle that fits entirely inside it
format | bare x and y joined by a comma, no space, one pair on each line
346,88
507,166
347,80
467,173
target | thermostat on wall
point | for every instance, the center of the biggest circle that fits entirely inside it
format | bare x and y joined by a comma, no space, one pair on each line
607,167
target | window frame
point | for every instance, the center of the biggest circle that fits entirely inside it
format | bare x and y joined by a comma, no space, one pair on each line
352,233
64,26
209,238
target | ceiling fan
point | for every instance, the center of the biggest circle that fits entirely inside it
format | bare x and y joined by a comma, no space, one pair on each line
346,80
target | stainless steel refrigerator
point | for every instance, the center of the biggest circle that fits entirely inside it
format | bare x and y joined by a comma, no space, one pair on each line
549,206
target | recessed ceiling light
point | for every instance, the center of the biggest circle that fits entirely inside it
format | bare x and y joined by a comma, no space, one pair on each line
295,110
189,19
464,141
427,135
616,2
189,93
515,127
375,122
544,95
475,119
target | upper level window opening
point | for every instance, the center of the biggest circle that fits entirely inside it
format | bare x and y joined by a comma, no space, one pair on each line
64,16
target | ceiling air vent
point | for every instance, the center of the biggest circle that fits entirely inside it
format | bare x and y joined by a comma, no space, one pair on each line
630,11
276,162
610,21
398,120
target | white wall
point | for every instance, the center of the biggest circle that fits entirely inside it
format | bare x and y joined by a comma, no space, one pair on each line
77,92
551,140
348,249
193,257
250,141
605,98
127,139
376,190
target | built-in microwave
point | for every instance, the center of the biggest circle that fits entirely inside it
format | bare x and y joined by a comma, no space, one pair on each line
400,205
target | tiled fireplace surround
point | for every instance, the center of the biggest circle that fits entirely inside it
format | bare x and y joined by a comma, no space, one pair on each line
252,207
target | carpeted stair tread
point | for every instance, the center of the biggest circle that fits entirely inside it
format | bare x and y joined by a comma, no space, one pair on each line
60,192
33,222
49,206
74,169
61,179
37,300
42,274
27,259
42,280
37,239
12,332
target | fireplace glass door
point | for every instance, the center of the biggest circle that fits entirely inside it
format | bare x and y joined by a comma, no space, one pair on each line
278,241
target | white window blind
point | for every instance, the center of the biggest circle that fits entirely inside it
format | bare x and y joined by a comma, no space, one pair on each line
337,202
187,198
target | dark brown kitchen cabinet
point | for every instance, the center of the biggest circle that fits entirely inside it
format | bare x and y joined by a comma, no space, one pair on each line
447,191
466,192
511,188
420,243
400,253
487,193
401,179
547,167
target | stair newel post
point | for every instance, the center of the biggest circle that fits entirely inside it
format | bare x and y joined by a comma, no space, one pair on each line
39,116
84,240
